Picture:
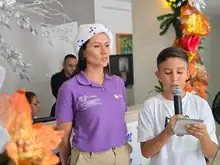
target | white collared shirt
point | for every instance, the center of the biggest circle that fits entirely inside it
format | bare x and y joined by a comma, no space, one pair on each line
179,150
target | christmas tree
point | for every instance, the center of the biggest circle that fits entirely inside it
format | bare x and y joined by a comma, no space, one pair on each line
190,26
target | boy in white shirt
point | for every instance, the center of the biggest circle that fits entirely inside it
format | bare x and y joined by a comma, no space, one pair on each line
157,118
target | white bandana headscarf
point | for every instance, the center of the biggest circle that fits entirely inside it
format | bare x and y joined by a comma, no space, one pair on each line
87,31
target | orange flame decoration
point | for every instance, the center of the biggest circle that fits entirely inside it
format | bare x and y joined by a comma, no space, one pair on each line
198,80
193,21
29,144
194,24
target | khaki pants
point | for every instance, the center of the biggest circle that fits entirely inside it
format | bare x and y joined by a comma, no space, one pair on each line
114,156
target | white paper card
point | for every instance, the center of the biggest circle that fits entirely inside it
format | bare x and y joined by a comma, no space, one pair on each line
179,127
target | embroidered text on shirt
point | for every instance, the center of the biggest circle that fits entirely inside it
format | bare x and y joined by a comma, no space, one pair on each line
118,96
89,101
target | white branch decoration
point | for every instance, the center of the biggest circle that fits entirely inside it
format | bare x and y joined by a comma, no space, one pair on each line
198,4
11,10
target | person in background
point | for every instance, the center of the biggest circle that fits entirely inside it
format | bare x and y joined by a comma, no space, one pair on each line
34,103
157,118
93,105
4,139
69,65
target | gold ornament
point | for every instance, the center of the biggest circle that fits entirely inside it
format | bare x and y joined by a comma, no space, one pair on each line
193,21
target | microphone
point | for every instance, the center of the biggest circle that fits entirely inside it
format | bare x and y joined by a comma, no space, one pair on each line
177,91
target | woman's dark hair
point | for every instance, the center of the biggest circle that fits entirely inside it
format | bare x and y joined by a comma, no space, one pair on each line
30,95
171,52
81,66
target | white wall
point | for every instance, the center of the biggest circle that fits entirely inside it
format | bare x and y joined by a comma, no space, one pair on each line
117,16
81,11
147,44
114,14
212,56
47,60
44,59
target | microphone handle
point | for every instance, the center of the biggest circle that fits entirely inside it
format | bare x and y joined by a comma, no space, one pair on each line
178,105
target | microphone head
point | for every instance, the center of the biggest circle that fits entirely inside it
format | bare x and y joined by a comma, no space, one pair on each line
177,91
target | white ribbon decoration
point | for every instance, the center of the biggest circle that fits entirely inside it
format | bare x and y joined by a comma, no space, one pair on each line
198,4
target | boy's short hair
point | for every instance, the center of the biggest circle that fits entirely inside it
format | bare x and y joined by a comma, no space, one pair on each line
171,52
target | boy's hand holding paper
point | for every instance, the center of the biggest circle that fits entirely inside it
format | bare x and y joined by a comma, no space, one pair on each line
172,123
193,127
197,130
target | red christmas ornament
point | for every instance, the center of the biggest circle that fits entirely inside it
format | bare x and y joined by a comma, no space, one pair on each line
189,42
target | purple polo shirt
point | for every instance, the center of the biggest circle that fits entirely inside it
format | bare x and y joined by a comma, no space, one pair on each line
97,112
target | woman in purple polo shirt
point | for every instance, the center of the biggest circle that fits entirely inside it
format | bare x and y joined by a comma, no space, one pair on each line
93,104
